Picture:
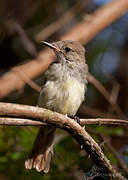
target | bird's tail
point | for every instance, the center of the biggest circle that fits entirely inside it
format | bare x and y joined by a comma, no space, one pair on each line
40,155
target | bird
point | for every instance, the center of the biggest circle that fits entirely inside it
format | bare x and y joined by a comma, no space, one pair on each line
63,91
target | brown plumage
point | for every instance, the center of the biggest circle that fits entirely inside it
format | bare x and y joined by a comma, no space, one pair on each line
40,155
63,92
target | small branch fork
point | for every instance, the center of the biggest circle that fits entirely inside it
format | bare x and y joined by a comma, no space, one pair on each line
26,115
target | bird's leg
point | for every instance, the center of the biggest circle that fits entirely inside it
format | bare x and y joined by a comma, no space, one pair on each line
76,118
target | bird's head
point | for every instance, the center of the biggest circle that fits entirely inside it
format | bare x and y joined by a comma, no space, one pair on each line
67,51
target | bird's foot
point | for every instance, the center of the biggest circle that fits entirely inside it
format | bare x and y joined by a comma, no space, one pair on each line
76,118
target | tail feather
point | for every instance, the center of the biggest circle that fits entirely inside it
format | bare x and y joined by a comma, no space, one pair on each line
42,150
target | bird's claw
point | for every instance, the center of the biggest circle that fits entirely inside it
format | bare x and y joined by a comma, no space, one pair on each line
76,118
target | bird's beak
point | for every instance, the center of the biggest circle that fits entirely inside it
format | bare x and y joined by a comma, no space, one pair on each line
50,45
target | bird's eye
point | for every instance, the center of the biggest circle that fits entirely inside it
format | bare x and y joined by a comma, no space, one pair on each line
67,49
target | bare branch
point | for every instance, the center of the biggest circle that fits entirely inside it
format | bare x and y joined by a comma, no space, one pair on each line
20,122
95,23
27,80
103,121
29,122
14,27
106,94
61,21
113,150
61,121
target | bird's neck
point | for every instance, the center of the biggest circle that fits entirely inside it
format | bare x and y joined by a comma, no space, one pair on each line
64,71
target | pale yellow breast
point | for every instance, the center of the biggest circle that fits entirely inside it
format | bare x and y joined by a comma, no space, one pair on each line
76,92
65,97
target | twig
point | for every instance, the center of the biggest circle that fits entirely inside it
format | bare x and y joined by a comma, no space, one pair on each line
102,121
82,32
14,27
100,19
27,80
29,122
28,44
106,94
11,82
7,121
114,92
60,22
123,165
61,121
106,141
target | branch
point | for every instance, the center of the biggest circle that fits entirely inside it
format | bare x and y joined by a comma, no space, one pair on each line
105,93
103,121
8,121
27,80
12,26
116,154
61,21
29,122
83,32
69,125
96,22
